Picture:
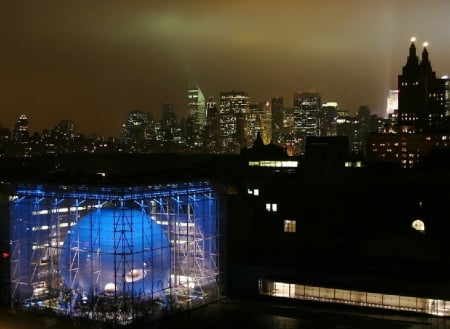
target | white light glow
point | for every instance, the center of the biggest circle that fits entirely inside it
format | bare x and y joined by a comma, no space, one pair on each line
413,39
110,287
436,307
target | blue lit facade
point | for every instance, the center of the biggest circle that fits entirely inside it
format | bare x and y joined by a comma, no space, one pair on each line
141,248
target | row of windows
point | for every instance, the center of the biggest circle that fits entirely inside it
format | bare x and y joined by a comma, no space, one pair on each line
414,83
273,163
354,297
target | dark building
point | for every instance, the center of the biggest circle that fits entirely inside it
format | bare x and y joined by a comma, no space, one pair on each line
211,135
277,107
421,101
366,236
422,119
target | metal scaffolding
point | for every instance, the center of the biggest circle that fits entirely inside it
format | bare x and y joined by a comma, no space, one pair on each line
114,252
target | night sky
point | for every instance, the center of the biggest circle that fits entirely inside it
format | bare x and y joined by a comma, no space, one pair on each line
94,61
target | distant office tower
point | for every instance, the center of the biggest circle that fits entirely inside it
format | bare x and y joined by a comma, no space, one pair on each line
421,101
307,113
361,130
233,109
392,102
5,136
211,109
196,120
447,95
277,118
169,117
20,131
136,127
65,130
328,119
259,120
170,129
212,128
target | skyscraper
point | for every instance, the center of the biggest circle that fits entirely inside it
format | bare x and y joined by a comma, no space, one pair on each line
259,120
306,117
421,101
277,118
422,124
306,113
196,121
447,94
136,126
170,129
233,108
20,131
391,102
212,128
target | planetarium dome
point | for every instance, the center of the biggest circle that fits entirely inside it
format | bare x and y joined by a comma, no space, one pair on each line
116,251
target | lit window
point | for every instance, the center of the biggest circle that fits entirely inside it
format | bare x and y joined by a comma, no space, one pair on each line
290,226
254,192
418,225
271,207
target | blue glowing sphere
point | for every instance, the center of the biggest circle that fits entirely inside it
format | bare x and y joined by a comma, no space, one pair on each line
116,251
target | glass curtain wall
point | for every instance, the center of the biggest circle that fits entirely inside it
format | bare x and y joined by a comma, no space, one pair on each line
127,252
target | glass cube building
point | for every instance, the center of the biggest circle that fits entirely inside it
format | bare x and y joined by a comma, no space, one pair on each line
112,251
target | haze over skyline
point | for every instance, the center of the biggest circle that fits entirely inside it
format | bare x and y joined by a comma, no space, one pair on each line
93,62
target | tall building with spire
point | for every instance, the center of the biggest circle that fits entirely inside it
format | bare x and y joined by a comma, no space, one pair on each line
422,124
421,100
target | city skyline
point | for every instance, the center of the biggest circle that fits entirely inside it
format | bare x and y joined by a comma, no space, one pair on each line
94,63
